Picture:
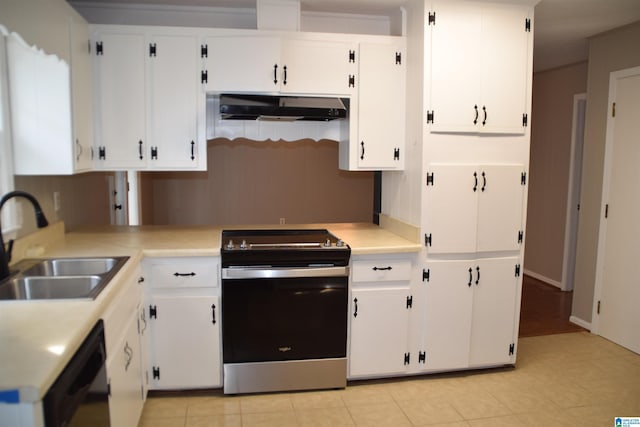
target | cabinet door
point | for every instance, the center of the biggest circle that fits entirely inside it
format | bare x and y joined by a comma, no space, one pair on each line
495,311
318,67
505,66
500,208
379,331
82,96
451,208
455,66
175,100
185,341
120,88
124,373
448,311
243,64
381,106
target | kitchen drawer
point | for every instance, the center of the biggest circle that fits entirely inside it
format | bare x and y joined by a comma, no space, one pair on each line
121,308
381,270
192,272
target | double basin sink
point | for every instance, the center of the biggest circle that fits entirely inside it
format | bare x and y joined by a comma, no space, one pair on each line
60,278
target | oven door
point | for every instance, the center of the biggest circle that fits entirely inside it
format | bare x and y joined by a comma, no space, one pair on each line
274,317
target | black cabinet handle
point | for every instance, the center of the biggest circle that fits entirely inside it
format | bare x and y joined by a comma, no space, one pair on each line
285,75
192,274
129,352
140,149
381,268
470,277
213,313
475,185
478,275
355,303
141,279
193,154
275,74
484,121
362,155
484,182
475,120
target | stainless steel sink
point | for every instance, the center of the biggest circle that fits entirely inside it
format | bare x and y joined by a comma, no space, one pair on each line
60,278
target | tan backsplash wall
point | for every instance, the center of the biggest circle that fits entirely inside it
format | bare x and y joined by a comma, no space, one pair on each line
84,199
259,182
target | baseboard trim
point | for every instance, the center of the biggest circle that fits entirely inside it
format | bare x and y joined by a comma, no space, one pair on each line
583,323
543,278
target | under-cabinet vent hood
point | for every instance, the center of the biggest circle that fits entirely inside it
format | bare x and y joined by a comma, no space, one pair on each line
281,108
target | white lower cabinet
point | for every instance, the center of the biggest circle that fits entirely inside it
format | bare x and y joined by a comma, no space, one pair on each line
471,313
126,365
183,310
381,302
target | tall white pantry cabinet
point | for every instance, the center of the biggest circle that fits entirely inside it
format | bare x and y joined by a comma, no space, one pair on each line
466,179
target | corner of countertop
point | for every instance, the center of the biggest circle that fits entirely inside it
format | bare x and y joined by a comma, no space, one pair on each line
401,228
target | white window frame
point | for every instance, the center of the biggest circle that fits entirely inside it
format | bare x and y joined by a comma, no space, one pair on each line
9,217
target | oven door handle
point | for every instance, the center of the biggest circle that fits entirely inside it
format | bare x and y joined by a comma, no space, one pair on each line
279,273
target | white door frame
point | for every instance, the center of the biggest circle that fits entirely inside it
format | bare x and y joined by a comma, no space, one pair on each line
606,182
573,192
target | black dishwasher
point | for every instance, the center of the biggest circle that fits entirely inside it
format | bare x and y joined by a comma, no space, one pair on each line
79,396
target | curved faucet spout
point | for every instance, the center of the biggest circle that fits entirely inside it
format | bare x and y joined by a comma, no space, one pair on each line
41,221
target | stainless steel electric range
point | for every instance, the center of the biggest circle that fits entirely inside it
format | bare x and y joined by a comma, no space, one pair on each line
284,310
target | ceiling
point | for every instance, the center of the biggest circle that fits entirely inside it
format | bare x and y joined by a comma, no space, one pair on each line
562,27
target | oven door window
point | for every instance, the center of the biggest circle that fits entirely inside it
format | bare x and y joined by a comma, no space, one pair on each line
284,319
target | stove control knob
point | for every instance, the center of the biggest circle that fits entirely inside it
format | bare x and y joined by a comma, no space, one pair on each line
340,243
244,245
230,245
327,244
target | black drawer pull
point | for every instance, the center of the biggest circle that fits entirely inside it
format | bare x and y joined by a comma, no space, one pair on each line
192,274
382,268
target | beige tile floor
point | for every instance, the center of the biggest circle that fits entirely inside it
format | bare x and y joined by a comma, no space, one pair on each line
573,379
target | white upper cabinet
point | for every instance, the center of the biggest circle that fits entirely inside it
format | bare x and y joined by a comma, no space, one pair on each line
269,63
479,67
474,208
149,99
176,102
120,100
377,114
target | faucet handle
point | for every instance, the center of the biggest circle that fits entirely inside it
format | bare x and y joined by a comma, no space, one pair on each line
9,250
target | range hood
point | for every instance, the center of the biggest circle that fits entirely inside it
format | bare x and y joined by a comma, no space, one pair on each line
281,108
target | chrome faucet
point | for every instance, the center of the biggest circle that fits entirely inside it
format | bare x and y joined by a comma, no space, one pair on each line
41,220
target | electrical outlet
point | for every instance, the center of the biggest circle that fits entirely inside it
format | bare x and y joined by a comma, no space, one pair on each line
282,221
56,201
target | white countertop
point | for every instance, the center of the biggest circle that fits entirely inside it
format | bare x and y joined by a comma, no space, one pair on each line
38,338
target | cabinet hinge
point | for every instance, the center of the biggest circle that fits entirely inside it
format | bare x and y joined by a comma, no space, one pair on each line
523,178
430,116
606,210
109,388
430,179
154,153
99,48
352,56
527,25
153,312
396,154
407,358
432,18
422,357
425,274
613,109
598,308
398,58
204,51
410,301
156,372
102,153
152,49
352,80
517,270
520,236
204,77
512,349
525,120
427,239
